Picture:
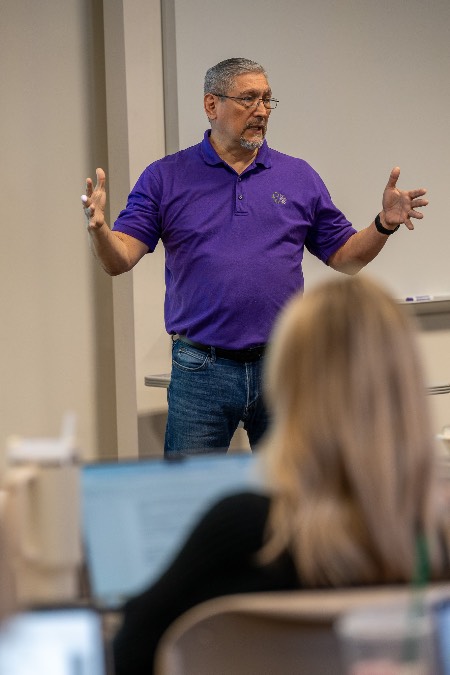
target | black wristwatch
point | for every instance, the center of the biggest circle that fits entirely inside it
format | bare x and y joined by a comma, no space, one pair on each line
382,229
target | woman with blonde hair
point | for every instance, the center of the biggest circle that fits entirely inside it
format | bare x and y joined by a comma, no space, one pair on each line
351,451
350,461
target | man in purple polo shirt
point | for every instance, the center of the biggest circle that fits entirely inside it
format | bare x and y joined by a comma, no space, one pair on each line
234,217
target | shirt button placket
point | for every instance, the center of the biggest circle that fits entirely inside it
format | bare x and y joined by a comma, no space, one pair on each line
240,197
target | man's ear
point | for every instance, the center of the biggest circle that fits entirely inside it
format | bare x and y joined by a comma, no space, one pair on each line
210,105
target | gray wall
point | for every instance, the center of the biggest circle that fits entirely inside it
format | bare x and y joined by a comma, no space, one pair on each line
363,86
59,120
56,310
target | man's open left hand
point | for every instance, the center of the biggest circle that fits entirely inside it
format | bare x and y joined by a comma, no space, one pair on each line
400,206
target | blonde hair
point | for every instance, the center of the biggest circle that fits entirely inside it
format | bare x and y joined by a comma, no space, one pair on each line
350,450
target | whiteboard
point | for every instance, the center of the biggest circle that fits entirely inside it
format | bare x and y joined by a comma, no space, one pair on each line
363,86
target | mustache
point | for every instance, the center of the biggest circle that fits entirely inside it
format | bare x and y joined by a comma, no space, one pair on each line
257,122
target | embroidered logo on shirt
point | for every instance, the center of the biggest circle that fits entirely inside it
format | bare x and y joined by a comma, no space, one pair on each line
278,198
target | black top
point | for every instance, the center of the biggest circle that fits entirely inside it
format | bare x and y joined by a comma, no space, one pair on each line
216,559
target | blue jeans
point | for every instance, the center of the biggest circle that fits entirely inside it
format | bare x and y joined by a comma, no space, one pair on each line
208,397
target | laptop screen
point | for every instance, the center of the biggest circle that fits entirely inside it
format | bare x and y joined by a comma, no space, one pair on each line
53,641
441,615
136,515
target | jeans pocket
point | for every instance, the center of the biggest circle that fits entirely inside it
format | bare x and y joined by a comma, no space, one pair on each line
186,357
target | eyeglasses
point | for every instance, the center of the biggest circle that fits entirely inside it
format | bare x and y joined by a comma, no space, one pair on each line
251,101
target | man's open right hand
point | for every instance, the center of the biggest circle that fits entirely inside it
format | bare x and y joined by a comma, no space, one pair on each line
94,201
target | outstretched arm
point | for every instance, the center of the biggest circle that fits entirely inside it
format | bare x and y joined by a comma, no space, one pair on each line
116,252
399,206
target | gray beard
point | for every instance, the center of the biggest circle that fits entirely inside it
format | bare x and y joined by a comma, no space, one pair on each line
251,145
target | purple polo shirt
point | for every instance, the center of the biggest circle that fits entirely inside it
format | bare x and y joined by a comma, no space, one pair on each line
233,244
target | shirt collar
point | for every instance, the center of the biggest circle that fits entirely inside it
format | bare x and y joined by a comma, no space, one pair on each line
211,157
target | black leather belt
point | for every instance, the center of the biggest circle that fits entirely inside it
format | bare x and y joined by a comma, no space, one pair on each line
242,355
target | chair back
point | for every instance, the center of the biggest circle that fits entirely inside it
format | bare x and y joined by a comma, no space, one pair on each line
282,633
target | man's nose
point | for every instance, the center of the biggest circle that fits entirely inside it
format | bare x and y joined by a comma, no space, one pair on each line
260,107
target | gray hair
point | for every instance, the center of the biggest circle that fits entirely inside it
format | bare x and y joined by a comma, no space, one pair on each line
220,78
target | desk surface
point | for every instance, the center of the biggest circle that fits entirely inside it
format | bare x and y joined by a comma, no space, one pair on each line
164,379
439,389
159,380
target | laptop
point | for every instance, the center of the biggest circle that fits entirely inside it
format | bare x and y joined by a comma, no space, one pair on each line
136,514
53,641
441,615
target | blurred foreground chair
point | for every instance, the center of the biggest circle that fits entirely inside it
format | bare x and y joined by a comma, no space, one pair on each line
8,597
282,633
